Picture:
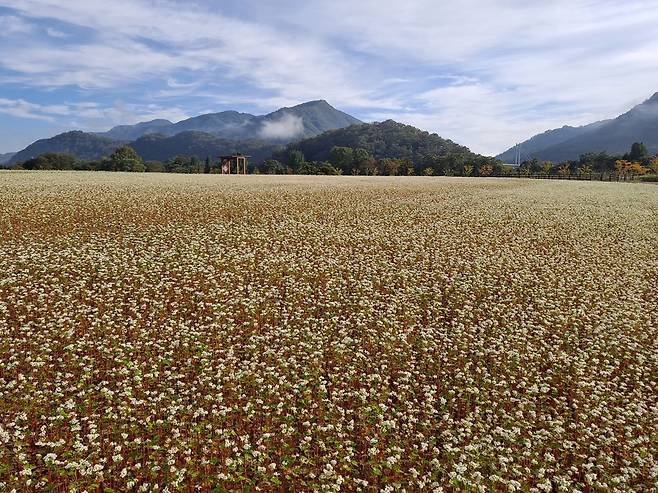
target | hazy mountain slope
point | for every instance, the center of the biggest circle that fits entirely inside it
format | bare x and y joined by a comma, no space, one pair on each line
86,146
201,144
547,139
281,126
82,145
614,136
4,158
227,124
302,121
640,124
132,132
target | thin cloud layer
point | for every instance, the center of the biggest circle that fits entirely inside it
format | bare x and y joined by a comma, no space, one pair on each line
288,126
483,73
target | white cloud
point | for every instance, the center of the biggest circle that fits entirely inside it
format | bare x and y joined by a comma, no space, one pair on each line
193,39
11,25
527,65
55,33
286,127
25,109
89,115
486,73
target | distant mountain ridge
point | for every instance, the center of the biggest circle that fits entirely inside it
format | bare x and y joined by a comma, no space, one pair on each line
6,157
132,132
614,136
202,135
281,126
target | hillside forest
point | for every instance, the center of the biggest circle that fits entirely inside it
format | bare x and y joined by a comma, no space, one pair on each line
387,148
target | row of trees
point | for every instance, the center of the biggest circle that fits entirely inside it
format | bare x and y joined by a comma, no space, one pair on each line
636,162
342,160
122,159
359,161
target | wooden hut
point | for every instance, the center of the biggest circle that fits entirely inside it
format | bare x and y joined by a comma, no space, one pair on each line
234,163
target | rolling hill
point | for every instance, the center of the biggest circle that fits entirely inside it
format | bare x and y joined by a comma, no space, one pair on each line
82,145
614,136
388,139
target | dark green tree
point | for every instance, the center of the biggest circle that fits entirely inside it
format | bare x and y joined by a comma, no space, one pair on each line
180,164
195,165
390,166
307,168
342,158
206,166
296,159
325,168
84,166
536,166
155,167
125,159
364,163
638,151
273,167
50,160
407,167
138,167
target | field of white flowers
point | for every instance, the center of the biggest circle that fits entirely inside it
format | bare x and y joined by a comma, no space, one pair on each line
208,333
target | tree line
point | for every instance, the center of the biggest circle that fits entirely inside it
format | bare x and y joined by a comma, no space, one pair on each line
637,162
359,161
342,160
122,159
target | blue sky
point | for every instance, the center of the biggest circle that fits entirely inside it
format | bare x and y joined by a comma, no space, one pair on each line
484,73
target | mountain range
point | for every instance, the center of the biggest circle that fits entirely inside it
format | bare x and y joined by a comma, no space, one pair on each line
281,126
203,135
614,136
6,157
262,136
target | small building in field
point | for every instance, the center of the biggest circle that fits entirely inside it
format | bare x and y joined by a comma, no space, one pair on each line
234,164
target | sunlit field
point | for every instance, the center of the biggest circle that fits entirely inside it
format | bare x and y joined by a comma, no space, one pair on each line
209,333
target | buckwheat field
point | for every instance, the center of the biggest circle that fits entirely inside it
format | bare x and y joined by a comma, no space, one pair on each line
208,333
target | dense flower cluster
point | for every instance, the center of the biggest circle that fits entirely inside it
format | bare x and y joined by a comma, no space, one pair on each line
209,333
